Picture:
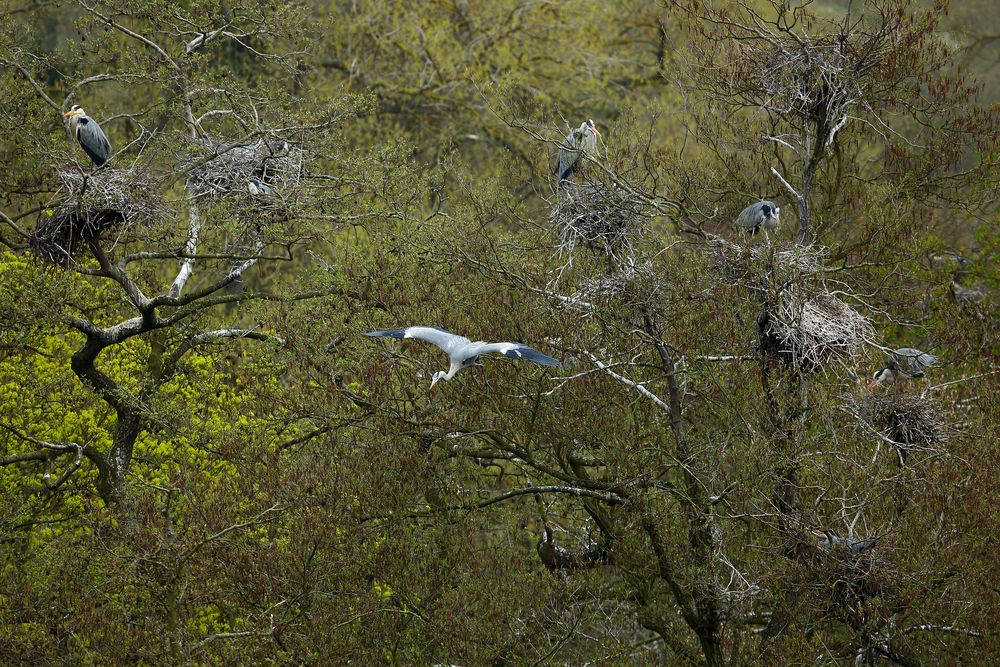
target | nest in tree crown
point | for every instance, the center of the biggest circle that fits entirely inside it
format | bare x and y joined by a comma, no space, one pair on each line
910,421
596,216
89,204
222,169
753,264
814,330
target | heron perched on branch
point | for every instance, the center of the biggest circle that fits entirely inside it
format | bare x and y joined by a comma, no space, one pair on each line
762,215
463,352
904,363
581,140
89,134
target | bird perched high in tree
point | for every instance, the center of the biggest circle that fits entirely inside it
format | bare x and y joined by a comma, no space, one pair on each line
581,140
463,352
90,135
762,215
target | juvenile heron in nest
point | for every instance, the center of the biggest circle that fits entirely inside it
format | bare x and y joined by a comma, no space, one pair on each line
463,352
902,364
581,140
89,134
762,215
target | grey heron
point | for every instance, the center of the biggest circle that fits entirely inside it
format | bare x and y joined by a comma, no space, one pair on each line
89,134
259,188
581,140
906,362
463,352
762,215
829,541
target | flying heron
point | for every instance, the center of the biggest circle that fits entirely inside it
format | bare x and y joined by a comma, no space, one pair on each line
762,215
581,140
463,352
89,134
906,362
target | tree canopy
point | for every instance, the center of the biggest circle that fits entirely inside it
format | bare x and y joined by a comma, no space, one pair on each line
205,461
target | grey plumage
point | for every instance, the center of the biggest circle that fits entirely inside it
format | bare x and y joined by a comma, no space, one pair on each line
259,188
463,352
828,541
906,362
581,140
762,215
89,134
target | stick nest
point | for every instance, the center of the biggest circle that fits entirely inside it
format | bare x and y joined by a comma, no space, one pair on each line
87,205
230,168
909,421
597,216
753,264
815,330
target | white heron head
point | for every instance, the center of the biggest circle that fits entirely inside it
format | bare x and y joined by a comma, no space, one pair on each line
75,111
438,376
886,375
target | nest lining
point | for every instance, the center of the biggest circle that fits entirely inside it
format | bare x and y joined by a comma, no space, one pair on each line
86,205
230,168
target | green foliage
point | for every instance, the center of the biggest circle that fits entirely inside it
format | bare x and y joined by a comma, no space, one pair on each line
203,461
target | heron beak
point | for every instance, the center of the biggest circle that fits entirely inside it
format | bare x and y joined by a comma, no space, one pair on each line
871,384
434,381
68,113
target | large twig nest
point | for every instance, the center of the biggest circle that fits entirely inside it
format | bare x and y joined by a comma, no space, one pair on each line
221,169
597,216
907,421
87,205
814,330
754,264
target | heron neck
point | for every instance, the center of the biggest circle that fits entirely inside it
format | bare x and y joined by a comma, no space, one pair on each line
454,368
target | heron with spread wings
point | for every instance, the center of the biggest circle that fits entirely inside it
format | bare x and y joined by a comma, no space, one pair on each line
463,352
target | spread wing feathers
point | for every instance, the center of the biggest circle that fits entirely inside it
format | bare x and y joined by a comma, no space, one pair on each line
446,340
514,351
93,140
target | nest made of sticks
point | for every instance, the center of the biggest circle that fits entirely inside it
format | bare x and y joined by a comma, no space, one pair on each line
87,205
597,216
220,169
909,421
753,264
816,329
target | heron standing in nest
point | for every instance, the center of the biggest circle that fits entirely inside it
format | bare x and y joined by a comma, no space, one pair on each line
903,364
90,135
762,215
581,140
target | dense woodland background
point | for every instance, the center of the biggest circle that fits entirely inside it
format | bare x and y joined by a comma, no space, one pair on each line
204,461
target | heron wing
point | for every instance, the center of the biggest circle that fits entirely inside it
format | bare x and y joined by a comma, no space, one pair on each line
569,153
914,361
750,218
514,351
93,140
446,340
